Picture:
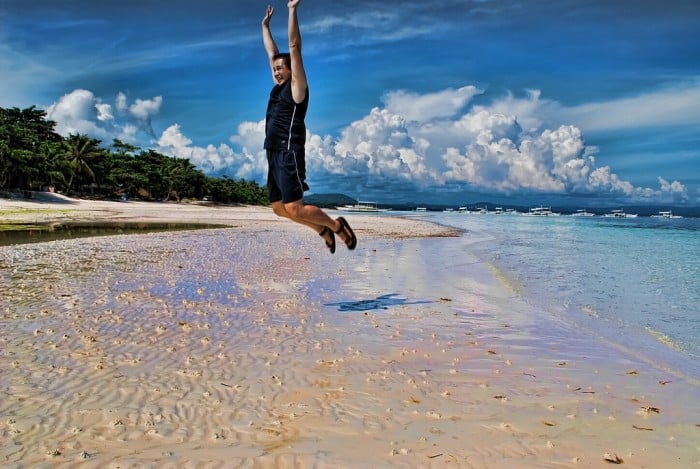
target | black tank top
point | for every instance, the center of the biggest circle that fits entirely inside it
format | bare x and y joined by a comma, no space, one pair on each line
284,121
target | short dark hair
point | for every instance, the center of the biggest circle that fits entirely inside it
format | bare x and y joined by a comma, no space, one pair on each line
285,56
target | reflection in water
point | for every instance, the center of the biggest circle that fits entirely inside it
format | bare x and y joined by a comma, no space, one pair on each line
380,302
39,233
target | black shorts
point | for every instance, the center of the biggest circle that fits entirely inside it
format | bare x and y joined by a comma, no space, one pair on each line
286,175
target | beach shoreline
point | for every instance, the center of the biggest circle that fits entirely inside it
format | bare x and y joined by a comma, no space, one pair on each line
208,348
54,208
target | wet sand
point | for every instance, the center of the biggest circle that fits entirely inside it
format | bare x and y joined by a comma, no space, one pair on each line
252,346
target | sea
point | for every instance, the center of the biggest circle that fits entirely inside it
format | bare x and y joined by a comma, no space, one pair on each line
633,282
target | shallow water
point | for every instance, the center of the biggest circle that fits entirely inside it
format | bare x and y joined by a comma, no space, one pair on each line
37,233
632,282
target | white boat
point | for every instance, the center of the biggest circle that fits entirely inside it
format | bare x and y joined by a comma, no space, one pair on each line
362,206
582,213
542,212
421,209
619,213
668,214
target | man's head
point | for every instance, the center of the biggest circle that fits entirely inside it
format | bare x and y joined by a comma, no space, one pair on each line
282,67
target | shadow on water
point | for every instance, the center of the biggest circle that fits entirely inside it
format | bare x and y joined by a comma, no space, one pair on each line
380,302
38,233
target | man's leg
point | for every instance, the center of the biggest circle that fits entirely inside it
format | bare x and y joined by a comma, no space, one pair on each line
308,215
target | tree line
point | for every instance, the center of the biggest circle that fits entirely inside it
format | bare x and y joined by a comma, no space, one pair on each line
34,157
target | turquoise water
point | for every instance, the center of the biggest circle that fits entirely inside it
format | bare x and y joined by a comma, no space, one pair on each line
634,282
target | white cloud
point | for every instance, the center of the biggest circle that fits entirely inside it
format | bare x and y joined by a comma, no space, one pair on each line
667,107
212,158
250,136
121,102
80,111
128,133
144,109
173,138
484,147
434,141
423,108
674,187
104,112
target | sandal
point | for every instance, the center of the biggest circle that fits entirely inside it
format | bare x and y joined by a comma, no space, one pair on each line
330,244
351,241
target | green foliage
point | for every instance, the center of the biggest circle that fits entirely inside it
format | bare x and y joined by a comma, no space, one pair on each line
25,136
33,156
227,190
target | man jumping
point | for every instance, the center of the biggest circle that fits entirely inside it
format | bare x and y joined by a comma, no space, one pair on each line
285,137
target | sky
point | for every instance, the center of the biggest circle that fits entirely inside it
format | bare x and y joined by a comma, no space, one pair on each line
451,102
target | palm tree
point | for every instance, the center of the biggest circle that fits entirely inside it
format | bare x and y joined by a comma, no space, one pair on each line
81,150
53,164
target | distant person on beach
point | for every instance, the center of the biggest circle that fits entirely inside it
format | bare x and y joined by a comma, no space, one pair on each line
285,137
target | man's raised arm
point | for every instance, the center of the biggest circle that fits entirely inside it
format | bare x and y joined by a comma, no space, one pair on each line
299,82
268,41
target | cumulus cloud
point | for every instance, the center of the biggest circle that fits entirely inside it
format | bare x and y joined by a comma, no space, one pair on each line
104,112
432,141
142,111
80,111
423,108
436,141
213,159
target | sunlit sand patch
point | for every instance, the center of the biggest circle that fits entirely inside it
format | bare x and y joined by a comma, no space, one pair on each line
235,361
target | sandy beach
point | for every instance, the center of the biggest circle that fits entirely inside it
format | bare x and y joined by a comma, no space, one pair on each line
250,345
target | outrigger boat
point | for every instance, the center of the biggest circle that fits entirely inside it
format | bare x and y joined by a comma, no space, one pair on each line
619,213
362,206
541,212
667,214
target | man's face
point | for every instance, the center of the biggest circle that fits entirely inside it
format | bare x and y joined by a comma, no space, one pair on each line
280,70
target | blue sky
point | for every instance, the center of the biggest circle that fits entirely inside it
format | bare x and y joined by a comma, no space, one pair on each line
437,102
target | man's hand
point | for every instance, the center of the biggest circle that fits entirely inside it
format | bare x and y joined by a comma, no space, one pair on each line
268,15
292,3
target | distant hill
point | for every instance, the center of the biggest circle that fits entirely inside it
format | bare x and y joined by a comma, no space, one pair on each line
328,200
